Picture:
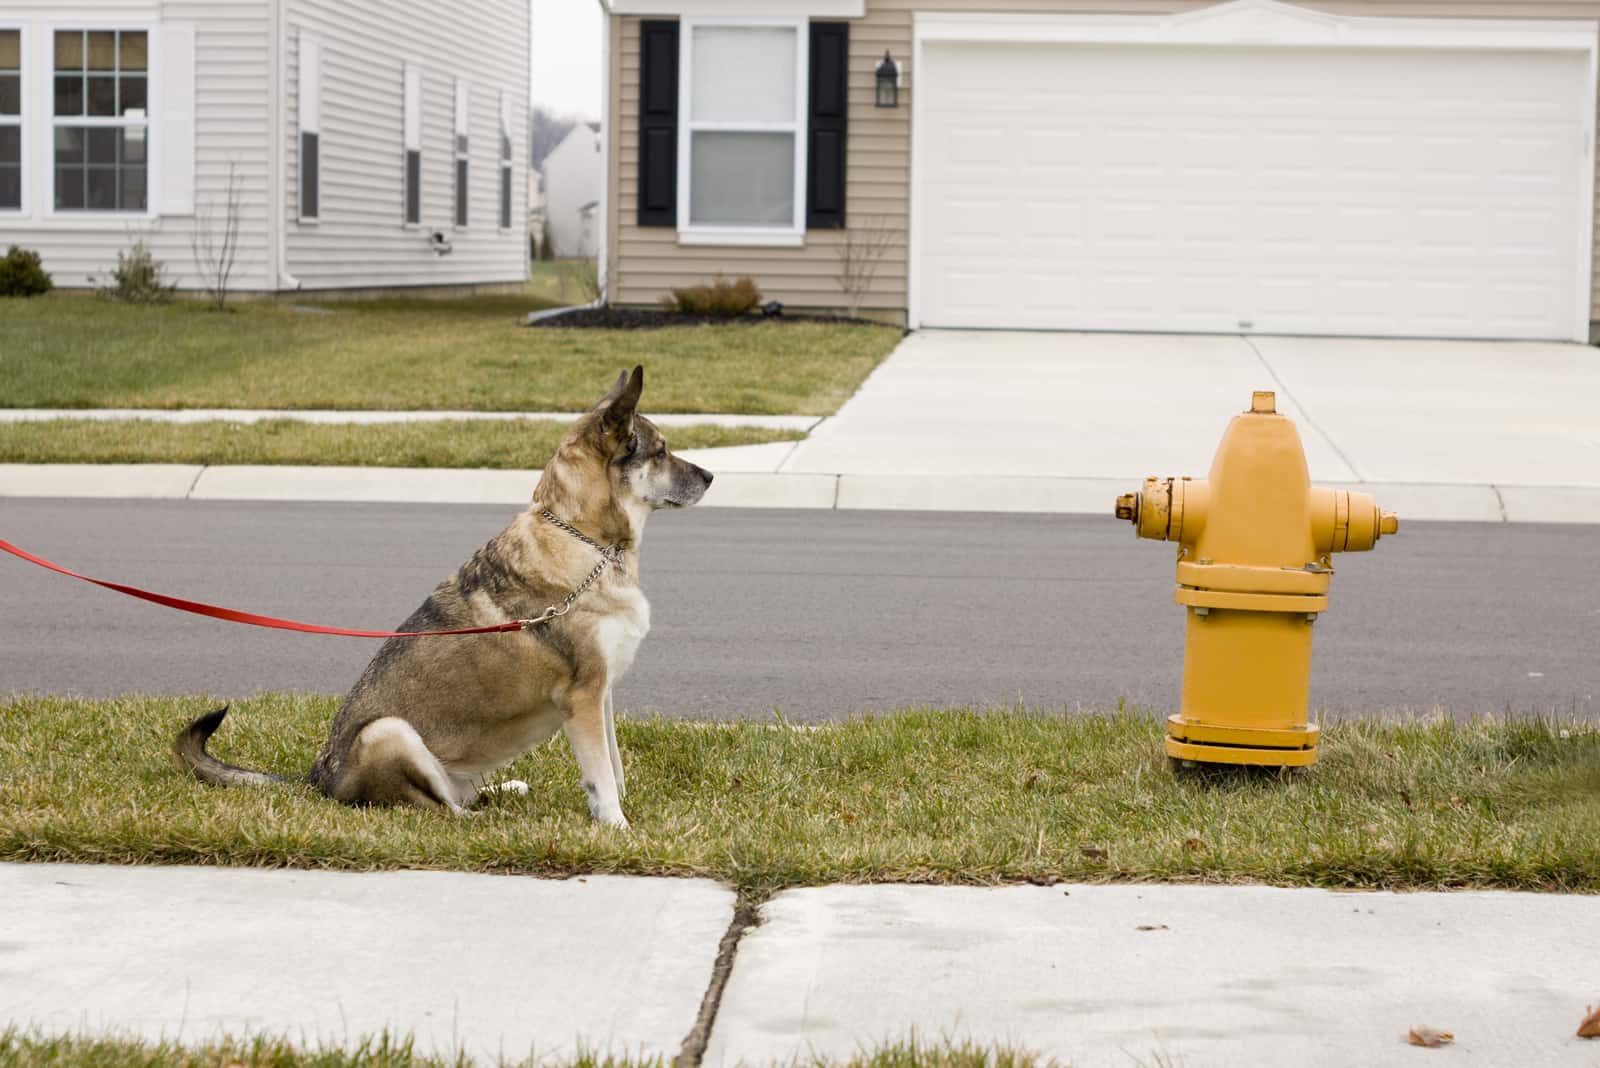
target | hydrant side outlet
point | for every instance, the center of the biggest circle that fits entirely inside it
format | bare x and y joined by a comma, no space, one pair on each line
1254,541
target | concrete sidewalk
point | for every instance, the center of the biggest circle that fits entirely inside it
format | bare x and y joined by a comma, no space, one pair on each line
373,418
1090,975
1062,423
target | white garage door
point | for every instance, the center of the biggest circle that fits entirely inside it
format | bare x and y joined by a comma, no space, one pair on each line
1212,188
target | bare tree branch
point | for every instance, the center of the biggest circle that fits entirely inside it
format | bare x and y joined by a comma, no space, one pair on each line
859,254
216,242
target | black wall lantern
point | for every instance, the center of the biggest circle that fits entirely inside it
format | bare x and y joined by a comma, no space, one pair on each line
888,82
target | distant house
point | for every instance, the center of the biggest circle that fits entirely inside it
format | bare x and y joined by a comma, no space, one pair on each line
574,172
373,146
1372,168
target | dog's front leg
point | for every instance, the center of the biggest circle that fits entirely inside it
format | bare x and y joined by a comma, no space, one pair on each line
611,742
585,729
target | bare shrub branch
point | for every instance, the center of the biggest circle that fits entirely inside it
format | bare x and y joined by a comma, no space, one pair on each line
859,254
216,241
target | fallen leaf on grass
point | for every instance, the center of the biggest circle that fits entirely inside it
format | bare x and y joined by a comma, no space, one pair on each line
1590,1027
1194,844
1427,1036
1151,927
1093,852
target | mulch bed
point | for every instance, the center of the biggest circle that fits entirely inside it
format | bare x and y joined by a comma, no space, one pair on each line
609,318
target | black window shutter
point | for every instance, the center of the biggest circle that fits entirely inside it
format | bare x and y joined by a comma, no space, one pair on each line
830,105
658,122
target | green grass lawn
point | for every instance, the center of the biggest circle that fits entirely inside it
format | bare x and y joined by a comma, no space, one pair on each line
510,443
560,282
79,351
919,796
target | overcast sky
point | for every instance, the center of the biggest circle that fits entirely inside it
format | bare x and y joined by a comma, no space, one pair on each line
566,56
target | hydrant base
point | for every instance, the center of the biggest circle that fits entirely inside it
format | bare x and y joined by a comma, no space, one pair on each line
1215,744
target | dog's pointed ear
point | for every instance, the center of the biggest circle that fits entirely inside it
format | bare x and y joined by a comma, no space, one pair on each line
613,393
624,404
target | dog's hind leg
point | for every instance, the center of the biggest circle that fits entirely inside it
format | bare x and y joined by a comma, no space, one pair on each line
585,729
611,744
389,764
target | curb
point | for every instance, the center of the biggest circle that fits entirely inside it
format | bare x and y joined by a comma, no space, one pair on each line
1481,503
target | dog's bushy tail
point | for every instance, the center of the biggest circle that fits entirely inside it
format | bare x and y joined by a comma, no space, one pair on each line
189,750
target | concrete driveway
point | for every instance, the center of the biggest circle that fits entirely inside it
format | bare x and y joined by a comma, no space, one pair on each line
1466,428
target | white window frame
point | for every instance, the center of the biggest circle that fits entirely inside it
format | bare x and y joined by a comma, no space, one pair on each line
410,140
307,120
507,149
793,235
20,119
77,218
461,127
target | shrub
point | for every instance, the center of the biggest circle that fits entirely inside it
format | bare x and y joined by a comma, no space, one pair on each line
22,274
137,278
720,298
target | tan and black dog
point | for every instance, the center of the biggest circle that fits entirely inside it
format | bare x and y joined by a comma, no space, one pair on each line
431,718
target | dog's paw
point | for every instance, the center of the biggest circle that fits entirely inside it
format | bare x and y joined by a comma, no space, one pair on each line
510,786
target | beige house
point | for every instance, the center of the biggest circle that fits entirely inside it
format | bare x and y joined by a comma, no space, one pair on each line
1399,168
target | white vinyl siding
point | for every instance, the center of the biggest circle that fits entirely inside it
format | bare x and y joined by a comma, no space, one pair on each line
207,100
371,48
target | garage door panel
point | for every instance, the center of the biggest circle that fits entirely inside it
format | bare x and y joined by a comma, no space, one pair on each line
1322,190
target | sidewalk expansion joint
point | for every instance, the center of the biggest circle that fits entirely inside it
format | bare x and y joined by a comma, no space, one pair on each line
746,914
1304,411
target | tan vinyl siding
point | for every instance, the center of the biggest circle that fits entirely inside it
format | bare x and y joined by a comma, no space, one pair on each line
647,261
230,107
359,240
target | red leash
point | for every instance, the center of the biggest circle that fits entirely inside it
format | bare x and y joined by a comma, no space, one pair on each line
251,618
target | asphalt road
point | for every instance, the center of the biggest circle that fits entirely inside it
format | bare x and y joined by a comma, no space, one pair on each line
816,614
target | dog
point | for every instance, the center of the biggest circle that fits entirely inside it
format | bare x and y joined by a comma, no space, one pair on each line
431,718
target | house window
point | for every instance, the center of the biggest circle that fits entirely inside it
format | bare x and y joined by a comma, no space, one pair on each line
463,113
411,156
505,162
310,122
741,152
101,119
10,120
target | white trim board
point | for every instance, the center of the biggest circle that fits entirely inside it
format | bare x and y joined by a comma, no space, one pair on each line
1265,24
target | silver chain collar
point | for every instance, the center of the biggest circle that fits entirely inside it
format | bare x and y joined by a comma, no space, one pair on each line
609,554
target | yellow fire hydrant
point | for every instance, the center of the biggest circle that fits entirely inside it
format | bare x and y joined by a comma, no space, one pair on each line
1255,544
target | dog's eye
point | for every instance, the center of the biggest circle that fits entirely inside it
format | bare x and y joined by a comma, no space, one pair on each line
661,453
